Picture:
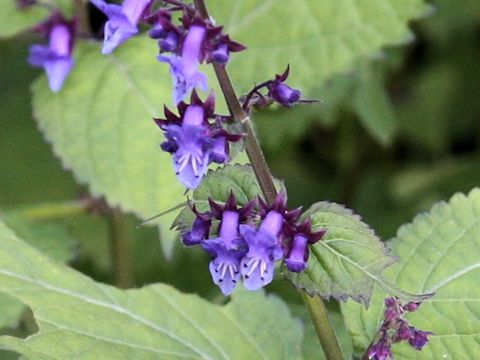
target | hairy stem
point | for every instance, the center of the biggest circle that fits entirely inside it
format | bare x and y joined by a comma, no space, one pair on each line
120,249
315,305
321,322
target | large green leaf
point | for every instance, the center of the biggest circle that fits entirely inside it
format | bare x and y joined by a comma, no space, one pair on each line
101,127
52,240
317,38
14,20
347,261
440,253
83,319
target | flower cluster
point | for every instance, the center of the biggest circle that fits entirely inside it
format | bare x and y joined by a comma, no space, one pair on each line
192,42
194,140
56,58
122,21
249,240
395,329
188,44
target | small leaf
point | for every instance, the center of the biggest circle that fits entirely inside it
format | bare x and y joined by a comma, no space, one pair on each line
15,20
76,316
439,252
347,261
217,184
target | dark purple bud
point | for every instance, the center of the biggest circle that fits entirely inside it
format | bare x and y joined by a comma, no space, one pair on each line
219,152
221,54
380,351
157,32
284,94
419,339
170,42
404,332
297,258
390,314
412,306
169,146
198,233
390,302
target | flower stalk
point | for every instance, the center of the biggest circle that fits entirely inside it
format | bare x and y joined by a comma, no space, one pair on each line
315,305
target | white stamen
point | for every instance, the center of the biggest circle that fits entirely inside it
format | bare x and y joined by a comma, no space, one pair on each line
224,270
254,266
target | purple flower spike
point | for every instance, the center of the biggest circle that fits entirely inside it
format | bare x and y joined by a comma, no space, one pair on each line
56,59
419,339
122,21
297,259
227,251
184,68
380,351
257,266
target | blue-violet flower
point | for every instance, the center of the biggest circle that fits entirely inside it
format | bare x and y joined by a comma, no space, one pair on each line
122,21
194,142
257,266
56,58
227,251
184,68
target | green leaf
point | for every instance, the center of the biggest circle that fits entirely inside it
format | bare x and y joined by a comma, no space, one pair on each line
217,184
52,240
15,20
317,38
347,260
101,127
372,104
439,252
76,316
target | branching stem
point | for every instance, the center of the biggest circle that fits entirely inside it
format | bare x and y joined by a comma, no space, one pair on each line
315,305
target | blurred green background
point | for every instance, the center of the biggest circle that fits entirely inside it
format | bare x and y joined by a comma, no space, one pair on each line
389,139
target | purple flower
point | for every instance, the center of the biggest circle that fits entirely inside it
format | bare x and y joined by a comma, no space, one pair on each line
193,142
55,58
257,266
298,252
380,351
419,338
122,21
227,251
200,229
296,261
184,68
281,92
190,143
